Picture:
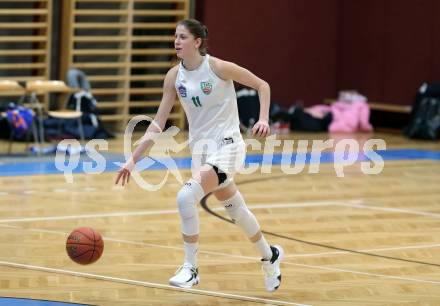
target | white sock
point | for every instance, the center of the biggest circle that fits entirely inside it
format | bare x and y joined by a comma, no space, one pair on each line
191,252
264,248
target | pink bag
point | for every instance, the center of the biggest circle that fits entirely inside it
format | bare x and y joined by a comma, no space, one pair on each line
351,114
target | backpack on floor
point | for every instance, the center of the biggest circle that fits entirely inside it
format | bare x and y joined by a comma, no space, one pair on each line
425,116
425,123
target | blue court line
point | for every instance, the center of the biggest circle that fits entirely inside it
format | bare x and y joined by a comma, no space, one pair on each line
9,301
48,167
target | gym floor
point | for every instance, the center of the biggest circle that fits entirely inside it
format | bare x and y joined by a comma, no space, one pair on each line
360,239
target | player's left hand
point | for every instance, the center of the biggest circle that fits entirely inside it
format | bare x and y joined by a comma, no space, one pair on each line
261,128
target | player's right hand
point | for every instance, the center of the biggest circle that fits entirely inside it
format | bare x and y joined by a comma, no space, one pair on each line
124,173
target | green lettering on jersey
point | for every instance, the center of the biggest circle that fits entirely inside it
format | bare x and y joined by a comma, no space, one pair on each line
196,101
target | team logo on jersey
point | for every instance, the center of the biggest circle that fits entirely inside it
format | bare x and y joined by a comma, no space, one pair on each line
206,87
182,91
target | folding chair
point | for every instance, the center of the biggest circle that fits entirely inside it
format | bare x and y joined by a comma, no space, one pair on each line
34,88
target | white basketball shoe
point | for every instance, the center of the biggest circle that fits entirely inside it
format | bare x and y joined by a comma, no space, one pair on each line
186,276
271,269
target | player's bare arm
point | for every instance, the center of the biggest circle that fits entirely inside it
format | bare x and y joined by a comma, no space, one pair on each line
230,71
155,128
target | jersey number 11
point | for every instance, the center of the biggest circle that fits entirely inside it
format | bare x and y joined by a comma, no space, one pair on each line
196,101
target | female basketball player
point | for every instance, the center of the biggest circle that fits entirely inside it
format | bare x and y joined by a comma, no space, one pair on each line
205,88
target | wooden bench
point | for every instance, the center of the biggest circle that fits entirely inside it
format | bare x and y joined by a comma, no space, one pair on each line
384,107
388,117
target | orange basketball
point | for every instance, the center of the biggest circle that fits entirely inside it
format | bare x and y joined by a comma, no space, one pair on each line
84,245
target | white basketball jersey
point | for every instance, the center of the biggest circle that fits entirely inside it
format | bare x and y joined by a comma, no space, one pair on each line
210,104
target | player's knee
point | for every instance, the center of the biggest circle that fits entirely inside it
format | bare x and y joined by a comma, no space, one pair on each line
236,211
188,197
243,217
186,203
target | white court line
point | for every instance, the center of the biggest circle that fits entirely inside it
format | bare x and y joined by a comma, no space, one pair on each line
138,243
350,203
400,248
174,211
365,273
292,263
353,203
399,210
91,216
164,212
409,247
247,257
148,284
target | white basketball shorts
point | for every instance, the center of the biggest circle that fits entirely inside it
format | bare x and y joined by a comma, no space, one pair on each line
229,157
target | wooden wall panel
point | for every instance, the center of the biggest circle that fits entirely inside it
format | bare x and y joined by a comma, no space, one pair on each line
25,42
125,47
